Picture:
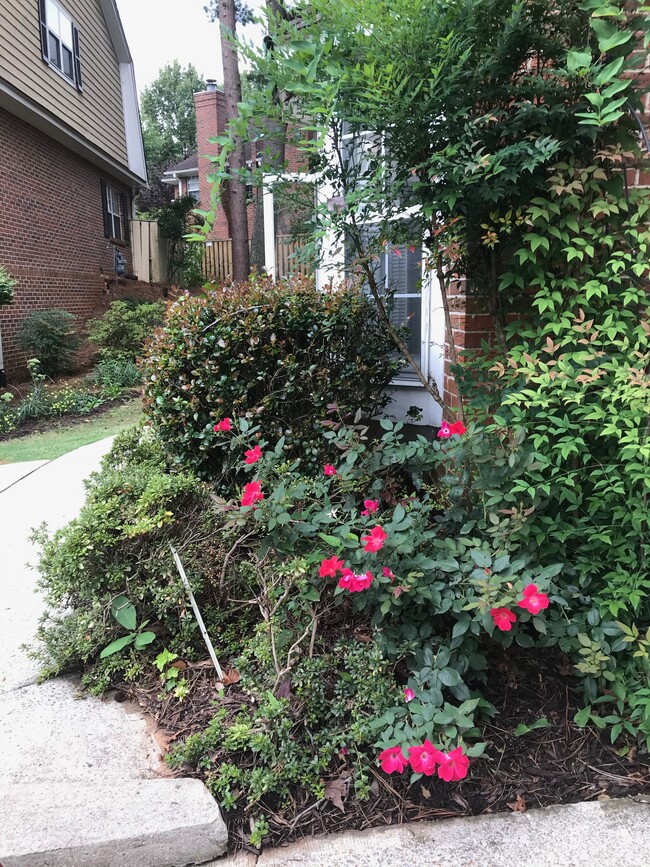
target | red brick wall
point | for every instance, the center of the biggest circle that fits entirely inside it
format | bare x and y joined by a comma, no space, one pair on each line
51,230
211,122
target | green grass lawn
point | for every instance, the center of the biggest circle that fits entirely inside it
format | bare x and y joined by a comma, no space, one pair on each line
63,438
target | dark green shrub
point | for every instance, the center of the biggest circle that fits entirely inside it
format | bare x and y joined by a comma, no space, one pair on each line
116,373
282,354
125,327
7,284
52,337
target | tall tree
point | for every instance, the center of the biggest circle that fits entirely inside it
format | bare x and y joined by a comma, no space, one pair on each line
168,114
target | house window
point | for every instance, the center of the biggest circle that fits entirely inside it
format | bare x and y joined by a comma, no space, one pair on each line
60,41
398,273
193,188
115,212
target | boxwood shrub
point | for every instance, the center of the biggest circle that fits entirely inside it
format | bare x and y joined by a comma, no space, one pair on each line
284,356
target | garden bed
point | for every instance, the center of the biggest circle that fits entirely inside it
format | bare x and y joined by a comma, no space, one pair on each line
55,423
557,763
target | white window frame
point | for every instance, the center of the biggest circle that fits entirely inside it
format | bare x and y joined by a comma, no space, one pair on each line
114,210
194,179
60,32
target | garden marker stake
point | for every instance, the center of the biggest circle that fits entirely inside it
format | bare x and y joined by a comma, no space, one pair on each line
197,613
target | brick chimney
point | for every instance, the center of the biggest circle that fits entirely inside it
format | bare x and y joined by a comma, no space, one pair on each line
210,121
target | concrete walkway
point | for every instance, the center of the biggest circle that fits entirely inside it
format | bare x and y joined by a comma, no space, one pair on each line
594,834
80,778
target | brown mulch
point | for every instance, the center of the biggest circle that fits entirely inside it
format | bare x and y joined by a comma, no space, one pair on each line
559,764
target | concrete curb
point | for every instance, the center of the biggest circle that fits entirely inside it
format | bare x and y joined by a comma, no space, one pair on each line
592,834
132,823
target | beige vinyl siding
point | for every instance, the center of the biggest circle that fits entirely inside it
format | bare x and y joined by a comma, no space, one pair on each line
96,112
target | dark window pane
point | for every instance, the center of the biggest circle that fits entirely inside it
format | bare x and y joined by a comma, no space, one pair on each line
117,228
68,68
54,50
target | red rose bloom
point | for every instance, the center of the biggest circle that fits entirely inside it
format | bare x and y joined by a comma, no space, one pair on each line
533,600
392,760
503,618
375,540
252,494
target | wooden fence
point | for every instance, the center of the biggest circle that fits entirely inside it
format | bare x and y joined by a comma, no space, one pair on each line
217,258
150,252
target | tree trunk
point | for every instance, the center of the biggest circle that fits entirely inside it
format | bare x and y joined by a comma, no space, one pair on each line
237,161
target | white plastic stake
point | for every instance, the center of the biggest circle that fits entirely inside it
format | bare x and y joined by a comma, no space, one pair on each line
197,613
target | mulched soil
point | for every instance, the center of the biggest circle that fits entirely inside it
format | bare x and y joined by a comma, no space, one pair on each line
560,764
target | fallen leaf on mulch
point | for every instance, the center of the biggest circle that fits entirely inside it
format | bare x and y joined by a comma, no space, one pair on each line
231,676
518,805
335,791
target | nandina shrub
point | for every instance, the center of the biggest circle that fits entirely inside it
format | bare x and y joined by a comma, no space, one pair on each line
278,354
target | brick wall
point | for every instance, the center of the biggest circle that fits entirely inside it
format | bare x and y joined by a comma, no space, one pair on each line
211,122
51,230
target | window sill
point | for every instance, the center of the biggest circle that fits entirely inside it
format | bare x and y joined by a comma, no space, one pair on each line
118,243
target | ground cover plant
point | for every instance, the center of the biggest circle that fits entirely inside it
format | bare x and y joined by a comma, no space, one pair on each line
398,616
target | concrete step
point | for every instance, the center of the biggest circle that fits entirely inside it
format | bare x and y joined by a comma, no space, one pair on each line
132,823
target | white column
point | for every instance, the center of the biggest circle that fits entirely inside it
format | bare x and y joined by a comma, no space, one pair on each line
331,267
269,231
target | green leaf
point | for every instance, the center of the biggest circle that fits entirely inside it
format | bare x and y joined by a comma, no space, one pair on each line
331,540
399,514
581,718
523,729
124,612
450,677
142,639
481,558
576,60
312,595
476,750
116,645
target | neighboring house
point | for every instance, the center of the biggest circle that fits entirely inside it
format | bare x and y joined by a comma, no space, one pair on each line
190,176
71,156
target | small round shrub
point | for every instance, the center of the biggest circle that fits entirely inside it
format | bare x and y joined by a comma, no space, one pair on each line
124,328
52,337
283,355
116,373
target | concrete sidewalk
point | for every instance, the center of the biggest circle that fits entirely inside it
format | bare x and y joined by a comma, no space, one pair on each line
594,834
80,779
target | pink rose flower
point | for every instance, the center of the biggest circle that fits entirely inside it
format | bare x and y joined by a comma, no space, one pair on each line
457,428
223,426
252,494
392,760
371,506
533,600
361,582
453,765
253,455
503,618
329,470
409,695
375,541
329,568
444,433
423,758
388,573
